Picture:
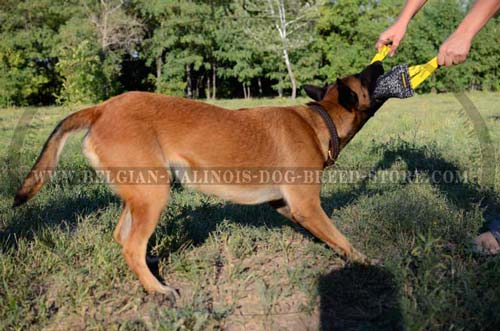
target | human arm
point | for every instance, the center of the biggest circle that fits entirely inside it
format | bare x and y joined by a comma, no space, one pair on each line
396,31
456,48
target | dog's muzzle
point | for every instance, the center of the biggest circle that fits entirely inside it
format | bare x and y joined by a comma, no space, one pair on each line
394,84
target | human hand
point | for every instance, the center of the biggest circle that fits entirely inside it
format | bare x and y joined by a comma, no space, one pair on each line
486,243
454,50
394,34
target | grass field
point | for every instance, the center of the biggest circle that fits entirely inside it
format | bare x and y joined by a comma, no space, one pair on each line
246,267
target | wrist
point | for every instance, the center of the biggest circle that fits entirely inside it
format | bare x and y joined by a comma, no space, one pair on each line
465,33
402,23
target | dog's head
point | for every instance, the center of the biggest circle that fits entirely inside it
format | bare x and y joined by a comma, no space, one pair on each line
353,93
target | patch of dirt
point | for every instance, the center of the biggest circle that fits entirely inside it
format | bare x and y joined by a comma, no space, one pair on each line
127,306
258,289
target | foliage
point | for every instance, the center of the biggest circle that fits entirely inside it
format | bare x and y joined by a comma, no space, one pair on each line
182,43
91,46
244,61
83,78
286,28
218,48
348,30
27,32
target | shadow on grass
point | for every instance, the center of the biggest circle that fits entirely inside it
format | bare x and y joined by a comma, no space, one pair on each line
351,298
462,191
359,298
28,220
195,224
204,219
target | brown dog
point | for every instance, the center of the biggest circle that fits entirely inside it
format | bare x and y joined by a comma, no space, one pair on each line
139,130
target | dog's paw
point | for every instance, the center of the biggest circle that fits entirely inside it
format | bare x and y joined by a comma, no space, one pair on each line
164,295
164,292
168,299
377,262
358,257
367,262
169,292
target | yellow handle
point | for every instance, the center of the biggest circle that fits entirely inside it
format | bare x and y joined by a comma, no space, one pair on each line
421,72
418,73
382,53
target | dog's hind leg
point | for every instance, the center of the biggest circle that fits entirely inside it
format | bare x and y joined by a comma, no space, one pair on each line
145,203
282,207
122,229
305,209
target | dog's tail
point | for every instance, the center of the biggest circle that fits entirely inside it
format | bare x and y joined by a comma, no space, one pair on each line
47,160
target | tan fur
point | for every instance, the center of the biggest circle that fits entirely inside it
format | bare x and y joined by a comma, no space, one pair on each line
49,156
145,130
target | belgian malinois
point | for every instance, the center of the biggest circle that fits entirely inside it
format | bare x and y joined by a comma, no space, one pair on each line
139,130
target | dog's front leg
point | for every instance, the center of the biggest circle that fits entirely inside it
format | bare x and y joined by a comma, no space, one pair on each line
305,209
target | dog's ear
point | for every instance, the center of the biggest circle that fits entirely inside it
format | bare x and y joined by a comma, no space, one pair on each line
347,97
315,92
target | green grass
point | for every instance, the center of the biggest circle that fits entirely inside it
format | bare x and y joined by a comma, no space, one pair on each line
245,267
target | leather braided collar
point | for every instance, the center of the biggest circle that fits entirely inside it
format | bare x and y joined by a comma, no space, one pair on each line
334,144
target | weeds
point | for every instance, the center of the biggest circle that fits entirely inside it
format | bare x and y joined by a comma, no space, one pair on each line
243,267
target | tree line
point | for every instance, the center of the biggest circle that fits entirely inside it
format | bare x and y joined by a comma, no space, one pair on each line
84,51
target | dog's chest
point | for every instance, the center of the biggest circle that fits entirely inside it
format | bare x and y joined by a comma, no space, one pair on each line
248,195
239,185
226,186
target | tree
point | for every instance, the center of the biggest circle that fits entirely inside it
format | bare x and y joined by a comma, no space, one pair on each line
28,31
347,31
117,29
90,47
183,43
81,69
237,55
485,57
290,28
88,50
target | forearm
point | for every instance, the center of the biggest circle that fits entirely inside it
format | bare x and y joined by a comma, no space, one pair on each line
409,10
478,16
395,33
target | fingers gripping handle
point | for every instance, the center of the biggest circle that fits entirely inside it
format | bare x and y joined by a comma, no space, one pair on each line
381,54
